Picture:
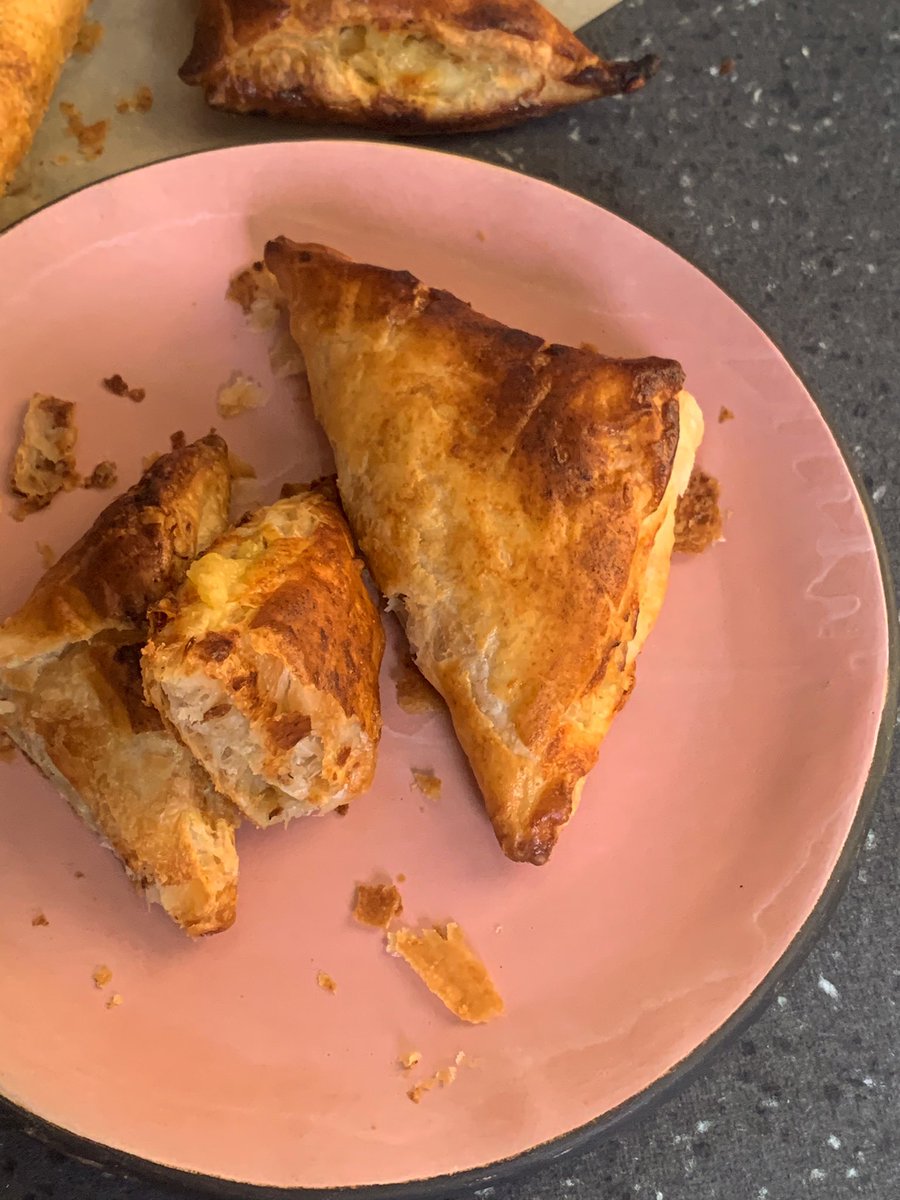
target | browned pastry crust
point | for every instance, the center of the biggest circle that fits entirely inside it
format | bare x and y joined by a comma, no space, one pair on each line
266,661
44,462
515,503
404,66
71,693
698,518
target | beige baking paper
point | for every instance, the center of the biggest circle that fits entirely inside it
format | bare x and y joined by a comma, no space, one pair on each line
576,13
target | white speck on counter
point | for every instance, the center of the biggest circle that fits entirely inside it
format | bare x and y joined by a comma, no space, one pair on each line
852,1173
568,1183
804,50
791,158
869,1082
757,93
826,986
685,180
768,1102
878,494
834,1141
485,1192
816,1174
782,1001
871,840
754,225
762,1193
575,134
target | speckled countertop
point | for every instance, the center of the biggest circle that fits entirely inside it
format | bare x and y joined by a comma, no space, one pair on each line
778,180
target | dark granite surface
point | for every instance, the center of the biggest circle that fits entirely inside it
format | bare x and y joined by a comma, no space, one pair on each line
779,181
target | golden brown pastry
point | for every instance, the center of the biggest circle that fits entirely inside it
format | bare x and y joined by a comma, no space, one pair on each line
266,662
515,502
71,693
405,66
36,38
44,462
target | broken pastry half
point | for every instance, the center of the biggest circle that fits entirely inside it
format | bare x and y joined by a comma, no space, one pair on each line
412,67
515,502
71,693
266,661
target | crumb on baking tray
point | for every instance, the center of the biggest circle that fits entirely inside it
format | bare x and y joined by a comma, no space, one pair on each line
90,35
140,102
427,783
239,468
325,982
39,919
409,1060
256,290
414,693
450,968
698,519
442,1077
117,385
239,394
114,1001
725,414
47,553
91,138
102,976
105,475
44,462
377,904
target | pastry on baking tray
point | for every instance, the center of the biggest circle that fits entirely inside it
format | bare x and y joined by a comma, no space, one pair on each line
404,66
515,502
266,661
36,38
71,692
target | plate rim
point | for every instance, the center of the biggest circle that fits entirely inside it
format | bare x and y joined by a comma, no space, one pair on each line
629,1112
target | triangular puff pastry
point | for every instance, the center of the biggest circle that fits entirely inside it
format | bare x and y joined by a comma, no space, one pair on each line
404,66
71,694
515,502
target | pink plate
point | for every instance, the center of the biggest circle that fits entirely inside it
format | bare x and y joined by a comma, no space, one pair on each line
724,807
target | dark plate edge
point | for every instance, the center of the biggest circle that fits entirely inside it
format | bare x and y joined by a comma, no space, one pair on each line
667,1086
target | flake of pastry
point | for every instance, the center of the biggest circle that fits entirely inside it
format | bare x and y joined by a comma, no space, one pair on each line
415,695
39,919
44,461
140,102
90,35
101,976
377,904
427,783
47,553
239,394
91,138
257,292
117,385
725,414
698,518
104,476
325,982
450,968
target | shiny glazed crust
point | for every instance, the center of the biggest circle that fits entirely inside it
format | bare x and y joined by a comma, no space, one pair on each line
515,502
405,66
266,662
71,694
36,38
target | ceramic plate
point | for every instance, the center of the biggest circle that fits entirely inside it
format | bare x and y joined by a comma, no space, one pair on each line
723,809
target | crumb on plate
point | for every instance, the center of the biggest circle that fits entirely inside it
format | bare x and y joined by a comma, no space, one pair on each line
325,982
117,385
47,553
90,35
39,919
114,1001
177,440
256,290
409,1060
102,976
91,138
44,462
725,414
442,1077
377,904
698,519
239,394
105,475
427,783
414,693
342,809
450,968
140,102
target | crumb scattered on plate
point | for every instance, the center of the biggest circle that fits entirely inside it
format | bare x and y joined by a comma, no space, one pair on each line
342,809
47,553
114,1001
377,904
90,35
177,440
44,462
414,693
698,519
725,414
140,102
238,468
239,394
39,919
117,385
79,874
102,976
450,968
442,1077
479,233
256,290
427,783
91,138
104,475
409,1060
325,982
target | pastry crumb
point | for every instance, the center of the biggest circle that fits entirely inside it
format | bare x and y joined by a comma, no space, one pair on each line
698,519
238,468
725,414
256,290
414,693
91,138
239,394
479,233
140,102
117,385
47,553
39,919
90,35
114,1001
102,976
79,874
427,783
450,969
325,982
377,904
442,1077
410,1060
105,475
44,462
342,809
